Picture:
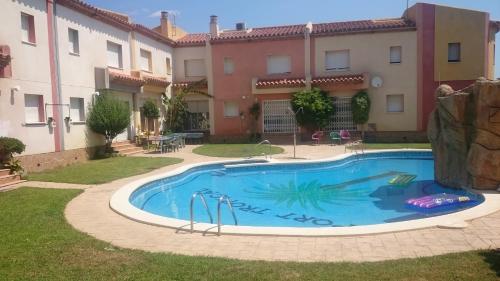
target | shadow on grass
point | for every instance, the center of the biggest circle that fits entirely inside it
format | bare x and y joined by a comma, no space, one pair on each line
492,257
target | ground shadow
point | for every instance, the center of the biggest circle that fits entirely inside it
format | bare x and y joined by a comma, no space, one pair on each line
492,257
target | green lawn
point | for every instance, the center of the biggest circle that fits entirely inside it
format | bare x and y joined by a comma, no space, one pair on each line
395,145
36,243
104,170
236,150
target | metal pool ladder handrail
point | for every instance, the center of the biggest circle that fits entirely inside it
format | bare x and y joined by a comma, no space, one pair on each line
221,199
270,147
202,197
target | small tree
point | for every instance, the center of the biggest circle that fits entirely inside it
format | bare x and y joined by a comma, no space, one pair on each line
108,117
150,111
314,108
254,112
360,106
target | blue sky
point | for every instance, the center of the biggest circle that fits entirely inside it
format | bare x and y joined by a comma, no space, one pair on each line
193,15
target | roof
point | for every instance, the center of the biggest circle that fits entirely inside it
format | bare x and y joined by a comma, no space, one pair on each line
156,81
112,18
316,81
333,28
298,30
201,84
125,79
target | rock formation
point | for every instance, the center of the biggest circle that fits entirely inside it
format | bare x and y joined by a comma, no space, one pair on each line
464,131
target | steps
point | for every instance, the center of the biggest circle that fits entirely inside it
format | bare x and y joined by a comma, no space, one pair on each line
7,179
126,148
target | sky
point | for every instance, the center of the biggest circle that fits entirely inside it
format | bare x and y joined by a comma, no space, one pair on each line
193,15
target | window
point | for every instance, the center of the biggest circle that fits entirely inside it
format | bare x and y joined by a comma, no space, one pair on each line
453,52
77,109
337,60
28,28
194,68
74,45
395,103
114,55
146,60
228,66
231,109
395,54
279,64
33,108
169,66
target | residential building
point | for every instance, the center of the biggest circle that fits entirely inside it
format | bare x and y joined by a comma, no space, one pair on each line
56,55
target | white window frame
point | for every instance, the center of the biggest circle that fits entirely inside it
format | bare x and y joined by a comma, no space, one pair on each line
33,109
119,55
395,54
146,60
231,112
77,109
279,64
73,41
343,64
228,66
458,51
168,63
389,108
198,71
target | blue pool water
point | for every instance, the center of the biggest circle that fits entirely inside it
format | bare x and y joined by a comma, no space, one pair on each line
352,191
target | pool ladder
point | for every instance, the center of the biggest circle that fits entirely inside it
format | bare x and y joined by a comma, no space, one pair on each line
270,148
221,199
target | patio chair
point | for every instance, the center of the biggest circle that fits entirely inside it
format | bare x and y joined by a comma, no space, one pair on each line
316,137
335,138
345,136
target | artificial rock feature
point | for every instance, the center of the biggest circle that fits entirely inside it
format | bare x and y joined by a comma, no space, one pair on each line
464,131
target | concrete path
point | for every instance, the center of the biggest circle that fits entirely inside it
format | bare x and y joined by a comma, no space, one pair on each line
90,213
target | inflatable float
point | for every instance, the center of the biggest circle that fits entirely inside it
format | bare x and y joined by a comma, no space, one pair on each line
438,200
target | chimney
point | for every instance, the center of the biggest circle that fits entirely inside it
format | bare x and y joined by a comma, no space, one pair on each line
240,26
214,27
164,15
165,25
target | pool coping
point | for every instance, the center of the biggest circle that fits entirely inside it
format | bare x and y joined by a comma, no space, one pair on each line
120,204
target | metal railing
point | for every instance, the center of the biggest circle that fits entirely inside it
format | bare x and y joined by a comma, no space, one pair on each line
222,199
270,147
191,212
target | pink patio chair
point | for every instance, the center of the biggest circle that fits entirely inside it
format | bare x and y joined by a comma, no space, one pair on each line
316,137
345,136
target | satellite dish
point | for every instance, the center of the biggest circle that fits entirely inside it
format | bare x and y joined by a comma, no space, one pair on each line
377,82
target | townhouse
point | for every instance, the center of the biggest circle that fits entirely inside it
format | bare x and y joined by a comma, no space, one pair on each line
56,55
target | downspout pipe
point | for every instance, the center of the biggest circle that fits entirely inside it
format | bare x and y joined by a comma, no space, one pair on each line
55,75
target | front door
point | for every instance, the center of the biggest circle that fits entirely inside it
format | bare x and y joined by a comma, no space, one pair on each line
127,134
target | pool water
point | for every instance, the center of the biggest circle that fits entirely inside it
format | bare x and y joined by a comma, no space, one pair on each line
348,192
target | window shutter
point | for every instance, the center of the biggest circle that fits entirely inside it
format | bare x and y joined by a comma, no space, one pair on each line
228,66
194,68
114,55
73,41
395,103
32,108
231,109
77,111
395,54
145,60
279,64
337,60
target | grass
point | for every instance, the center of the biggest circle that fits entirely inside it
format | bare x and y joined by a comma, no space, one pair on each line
395,145
104,170
236,150
36,243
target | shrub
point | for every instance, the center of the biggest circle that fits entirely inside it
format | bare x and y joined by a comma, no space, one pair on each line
150,110
108,117
313,107
360,106
9,147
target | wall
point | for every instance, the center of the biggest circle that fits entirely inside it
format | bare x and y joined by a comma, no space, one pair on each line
30,71
370,53
470,29
186,53
250,60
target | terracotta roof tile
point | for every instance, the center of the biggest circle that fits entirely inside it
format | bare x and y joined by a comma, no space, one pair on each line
126,79
279,83
192,39
156,81
184,84
361,26
341,79
263,32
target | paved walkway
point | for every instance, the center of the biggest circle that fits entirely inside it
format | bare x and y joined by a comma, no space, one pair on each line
90,213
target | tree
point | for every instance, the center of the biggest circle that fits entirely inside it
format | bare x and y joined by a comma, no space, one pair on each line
360,106
108,117
314,108
8,147
150,111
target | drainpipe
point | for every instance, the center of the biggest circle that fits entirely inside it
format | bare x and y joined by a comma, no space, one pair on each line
307,55
135,98
54,76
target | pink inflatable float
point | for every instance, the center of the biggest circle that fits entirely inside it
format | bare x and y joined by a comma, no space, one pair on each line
437,200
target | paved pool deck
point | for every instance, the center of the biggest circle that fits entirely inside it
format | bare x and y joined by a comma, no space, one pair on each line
90,213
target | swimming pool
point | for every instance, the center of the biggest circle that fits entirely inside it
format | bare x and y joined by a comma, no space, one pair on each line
349,191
